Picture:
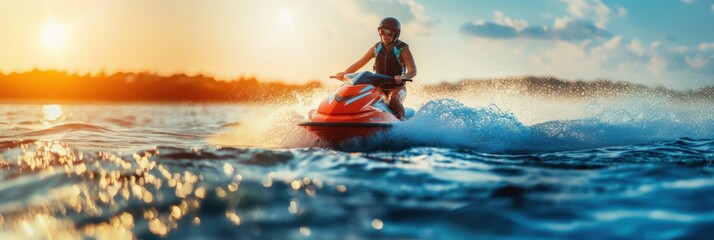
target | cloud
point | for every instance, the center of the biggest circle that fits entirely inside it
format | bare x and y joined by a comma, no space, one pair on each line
697,62
504,27
577,7
589,9
500,18
573,60
657,65
663,59
712,7
586,19
679,50
636,47
651,63
613,43
541,32
689,1
705,47
578,30
655,45
584,48
422,23
489,30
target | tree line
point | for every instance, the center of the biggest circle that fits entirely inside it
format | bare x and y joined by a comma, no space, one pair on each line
121,86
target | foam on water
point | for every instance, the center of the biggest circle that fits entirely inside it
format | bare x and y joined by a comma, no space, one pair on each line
497,127
512,123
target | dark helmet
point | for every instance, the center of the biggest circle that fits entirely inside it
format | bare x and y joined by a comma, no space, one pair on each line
391,24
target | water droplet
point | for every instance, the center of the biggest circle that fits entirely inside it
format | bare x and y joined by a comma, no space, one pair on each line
377,224
305,231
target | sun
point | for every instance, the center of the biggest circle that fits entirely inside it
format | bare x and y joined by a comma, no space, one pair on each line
285,17
54,36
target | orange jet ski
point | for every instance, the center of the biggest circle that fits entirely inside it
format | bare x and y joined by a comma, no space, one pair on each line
356,109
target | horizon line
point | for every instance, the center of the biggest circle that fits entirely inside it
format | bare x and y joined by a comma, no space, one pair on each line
304,82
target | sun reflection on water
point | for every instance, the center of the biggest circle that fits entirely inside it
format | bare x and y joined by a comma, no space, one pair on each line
51,113
105,185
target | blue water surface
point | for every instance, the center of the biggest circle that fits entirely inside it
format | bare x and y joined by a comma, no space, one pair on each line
229,171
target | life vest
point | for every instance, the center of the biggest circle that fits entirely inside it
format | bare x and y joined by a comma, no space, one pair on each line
389,62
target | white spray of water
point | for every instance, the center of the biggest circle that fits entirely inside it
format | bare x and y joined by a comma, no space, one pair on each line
493,121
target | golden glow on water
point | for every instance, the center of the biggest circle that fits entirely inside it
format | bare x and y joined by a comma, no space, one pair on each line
296,184
157,227
233,217
176,212
305,231
105,181
101,185
377,224
233,187
310,191
220,192
293,209
200,192
274,130
268,183
52,112
341,188
228,169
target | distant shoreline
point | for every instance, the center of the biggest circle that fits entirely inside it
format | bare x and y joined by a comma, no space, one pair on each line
39,86
142,87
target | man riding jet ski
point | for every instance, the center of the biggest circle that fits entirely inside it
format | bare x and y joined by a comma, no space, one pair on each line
393,58
368,102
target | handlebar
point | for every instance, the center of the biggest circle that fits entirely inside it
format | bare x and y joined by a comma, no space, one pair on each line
403,80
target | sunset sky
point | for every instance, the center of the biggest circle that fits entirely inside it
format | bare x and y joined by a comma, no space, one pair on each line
667,42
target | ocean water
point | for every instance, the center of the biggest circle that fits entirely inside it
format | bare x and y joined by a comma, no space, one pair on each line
461,168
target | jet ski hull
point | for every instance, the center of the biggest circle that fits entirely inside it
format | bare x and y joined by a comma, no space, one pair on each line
335,133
